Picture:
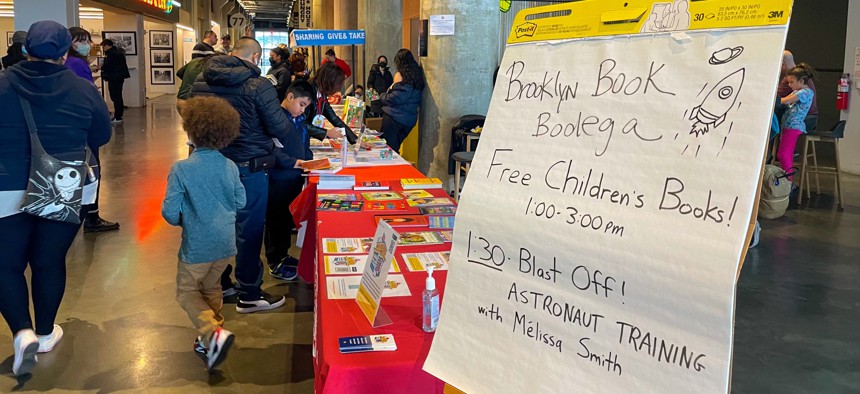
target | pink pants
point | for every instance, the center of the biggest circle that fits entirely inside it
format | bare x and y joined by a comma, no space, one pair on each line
787,143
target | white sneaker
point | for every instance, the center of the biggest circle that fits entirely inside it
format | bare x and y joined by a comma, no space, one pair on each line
26,345
264,303
47,342
219,345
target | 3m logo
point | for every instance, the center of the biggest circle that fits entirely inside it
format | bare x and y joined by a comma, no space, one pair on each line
775,14
526,30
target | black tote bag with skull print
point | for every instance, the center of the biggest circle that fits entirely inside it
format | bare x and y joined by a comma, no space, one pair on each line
55,187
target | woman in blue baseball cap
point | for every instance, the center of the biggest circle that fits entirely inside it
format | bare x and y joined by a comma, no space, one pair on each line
68,116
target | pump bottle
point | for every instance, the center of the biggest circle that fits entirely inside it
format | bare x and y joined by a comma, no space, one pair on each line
430,298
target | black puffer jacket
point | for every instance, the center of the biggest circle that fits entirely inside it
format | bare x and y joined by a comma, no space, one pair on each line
262,118
401,104
379,80
283,75
327,112
115,67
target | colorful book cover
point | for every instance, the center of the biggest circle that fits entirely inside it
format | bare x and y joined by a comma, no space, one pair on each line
420,238
341,205
347,245
441,221
416,194
418,183
339,196
429,202
350,264
381,196
446,210
394,205
447,235
353,109
420,261
372,185
396,221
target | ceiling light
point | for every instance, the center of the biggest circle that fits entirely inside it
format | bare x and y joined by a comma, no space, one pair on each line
183,27
177,4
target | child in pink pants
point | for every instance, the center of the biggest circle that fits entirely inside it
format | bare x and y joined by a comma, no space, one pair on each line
794,119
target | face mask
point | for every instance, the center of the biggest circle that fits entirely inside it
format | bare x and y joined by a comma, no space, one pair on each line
83,49
273,62
383,64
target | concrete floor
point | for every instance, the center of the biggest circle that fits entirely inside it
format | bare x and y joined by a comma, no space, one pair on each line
798,312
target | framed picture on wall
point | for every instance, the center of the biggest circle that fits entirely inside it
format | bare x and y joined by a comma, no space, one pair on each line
161,76
9,35
160,39
161,57
126,40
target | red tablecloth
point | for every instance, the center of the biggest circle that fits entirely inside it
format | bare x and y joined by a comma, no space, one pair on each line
381,372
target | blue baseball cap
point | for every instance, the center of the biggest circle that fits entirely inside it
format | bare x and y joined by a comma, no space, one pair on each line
47,40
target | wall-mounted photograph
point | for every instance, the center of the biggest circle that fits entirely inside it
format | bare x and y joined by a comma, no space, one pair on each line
161,76
125,40
160,39
161,57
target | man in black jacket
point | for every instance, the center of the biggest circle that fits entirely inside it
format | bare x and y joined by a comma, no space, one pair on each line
115,72
205,47
237,79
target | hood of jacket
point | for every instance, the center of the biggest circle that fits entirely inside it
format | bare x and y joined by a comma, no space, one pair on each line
41,83
229,71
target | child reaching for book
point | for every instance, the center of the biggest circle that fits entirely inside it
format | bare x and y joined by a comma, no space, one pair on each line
794,119
203,195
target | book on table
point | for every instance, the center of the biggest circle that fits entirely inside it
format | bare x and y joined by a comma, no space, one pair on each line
336,182
396,221
371,185
440,221
318,164
338,196
421,183
429,202
381,196
340,205
418,193
438,210
393,205
368,343
420,238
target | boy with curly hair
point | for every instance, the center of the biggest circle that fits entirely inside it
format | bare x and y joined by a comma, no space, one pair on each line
203,194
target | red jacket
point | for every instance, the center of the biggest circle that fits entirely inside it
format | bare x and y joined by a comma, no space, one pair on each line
342,64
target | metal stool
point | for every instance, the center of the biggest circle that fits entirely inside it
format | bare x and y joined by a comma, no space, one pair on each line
466,159
832,136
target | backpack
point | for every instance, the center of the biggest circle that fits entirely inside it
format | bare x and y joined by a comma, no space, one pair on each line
775,191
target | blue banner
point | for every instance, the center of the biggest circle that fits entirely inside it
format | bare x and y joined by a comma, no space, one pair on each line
308,38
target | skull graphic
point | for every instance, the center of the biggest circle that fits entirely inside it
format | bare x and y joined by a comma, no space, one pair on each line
67,180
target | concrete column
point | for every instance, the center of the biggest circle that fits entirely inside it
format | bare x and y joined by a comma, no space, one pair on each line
134,88
63,11
849,147
382,20
346,18
459,71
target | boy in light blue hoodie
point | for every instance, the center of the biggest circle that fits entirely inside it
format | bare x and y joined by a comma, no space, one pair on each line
203,194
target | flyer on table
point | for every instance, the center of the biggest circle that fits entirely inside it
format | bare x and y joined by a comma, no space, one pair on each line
598,247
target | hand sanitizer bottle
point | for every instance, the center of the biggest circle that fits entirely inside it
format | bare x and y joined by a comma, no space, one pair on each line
430,298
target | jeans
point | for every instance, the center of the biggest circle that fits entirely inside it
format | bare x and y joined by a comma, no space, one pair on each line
279,219
249,233
42,244
115,92
394,133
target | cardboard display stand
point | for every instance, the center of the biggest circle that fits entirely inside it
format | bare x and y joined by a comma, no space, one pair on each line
609,205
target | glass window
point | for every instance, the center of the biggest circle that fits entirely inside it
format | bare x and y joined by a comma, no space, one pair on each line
268,40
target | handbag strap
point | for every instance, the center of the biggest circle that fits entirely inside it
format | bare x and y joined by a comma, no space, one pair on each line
28,114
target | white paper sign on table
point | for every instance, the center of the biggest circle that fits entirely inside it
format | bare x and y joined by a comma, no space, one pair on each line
597,248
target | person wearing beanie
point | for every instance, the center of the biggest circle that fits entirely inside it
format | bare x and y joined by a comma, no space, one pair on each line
115,72
15,52
69,116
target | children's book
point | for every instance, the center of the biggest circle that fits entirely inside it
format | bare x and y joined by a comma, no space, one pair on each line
394,205
446,235
372,185
341,205
318,164
338,196
396,221
421,183
420,238
347,245
381,196
445,210
350,264
440,221
429,202
420,261
416,194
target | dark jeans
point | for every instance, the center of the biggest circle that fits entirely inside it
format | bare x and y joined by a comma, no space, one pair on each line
279,219
394,133
115,92
42,244
249,233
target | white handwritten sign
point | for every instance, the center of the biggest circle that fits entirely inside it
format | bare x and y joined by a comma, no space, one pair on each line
598,240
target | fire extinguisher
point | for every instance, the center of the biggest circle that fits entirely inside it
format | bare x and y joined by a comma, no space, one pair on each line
842,92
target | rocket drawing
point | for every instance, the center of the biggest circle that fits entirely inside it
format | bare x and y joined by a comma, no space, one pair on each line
712,112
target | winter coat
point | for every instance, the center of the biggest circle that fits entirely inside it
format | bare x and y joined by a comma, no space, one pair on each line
262,118
380,81
401,104
115,67
68,112
188,74
202,49
328,113
283,75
